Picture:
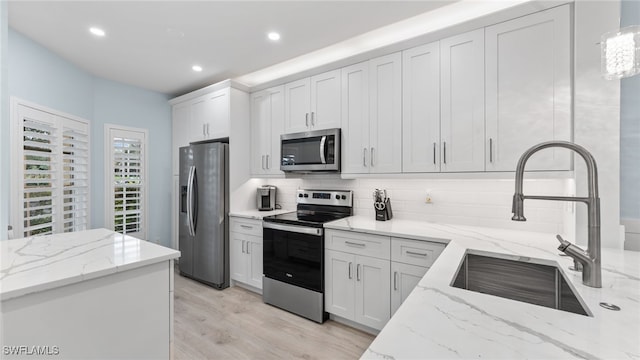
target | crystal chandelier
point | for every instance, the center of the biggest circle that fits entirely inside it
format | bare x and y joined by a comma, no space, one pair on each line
620,53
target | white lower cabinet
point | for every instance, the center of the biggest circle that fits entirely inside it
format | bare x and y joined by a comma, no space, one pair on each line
404,278
368,277
357,288
245,251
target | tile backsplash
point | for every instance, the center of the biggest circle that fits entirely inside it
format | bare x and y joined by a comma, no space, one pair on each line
477,202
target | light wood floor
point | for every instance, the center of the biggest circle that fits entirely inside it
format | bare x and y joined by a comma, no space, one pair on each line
235,324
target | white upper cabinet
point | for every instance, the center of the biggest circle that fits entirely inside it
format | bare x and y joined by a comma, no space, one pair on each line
528,89
462,102
267,120
372,116
210,116
421,109
355,118
385,114
313,103
297,105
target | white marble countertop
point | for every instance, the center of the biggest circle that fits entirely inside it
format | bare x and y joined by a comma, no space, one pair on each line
40,263
257,214
440,321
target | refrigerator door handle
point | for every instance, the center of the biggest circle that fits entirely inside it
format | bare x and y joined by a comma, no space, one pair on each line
190,200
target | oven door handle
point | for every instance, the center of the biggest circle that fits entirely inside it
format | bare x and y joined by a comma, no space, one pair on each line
292,228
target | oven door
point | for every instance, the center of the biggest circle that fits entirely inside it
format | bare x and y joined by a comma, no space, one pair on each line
294,255
311,151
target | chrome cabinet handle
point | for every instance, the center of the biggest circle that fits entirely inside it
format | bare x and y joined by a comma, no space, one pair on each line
358,272
354,244
267,162
203,132
306,119
243,241
248,243
395,280
371,156
434,153
350,266
444,152
246,227
312,118
416,253
262,161
364,157
207,129
490,150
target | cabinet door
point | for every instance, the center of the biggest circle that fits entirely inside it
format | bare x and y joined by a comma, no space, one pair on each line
339,287
199,115
254,261
218,107
238,256
181,121
421,109
528,90
462,102
373,304
355,118
297,105
272,135
385,116
325,101
404,279
260,124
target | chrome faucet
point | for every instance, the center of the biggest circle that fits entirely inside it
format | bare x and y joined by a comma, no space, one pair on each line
590,259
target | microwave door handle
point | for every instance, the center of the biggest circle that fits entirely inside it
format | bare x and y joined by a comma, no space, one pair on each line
323,145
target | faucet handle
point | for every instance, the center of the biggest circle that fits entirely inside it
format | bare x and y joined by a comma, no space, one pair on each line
563,243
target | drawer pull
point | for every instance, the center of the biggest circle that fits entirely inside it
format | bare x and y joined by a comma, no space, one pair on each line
358,272
246,227
354,244
416,253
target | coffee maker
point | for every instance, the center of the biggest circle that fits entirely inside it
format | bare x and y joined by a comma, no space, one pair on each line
266,198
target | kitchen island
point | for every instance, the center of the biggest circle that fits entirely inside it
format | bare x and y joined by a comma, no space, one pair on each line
439,321
87,294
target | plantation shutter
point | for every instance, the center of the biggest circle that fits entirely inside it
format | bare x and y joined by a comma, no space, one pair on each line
40,153
128,181
51,192
75,174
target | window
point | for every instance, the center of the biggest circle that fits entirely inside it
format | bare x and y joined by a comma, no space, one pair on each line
126,179
51,188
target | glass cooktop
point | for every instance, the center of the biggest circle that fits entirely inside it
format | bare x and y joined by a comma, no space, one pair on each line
305,217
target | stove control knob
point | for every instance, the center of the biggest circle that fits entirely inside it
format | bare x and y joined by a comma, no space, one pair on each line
344,197
337,197
299,195
306,195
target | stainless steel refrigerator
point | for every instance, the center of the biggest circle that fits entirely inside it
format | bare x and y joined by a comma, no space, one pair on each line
204,206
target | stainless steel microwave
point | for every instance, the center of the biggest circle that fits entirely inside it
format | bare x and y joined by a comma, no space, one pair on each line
311,151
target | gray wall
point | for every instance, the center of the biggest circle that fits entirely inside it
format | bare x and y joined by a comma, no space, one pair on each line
42,77
630,128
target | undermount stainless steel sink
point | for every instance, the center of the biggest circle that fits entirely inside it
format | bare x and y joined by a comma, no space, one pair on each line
528,282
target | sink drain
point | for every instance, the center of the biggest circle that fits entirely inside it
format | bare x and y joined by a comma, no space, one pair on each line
610,306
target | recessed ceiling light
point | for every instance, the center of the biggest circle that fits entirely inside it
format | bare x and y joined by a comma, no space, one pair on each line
197,68
97,31
274,36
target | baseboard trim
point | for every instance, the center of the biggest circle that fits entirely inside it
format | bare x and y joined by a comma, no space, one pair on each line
354,324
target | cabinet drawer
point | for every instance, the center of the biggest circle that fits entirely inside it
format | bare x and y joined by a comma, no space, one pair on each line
415,252
358,243
246,226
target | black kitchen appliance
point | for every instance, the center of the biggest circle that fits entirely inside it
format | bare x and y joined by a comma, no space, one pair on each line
293,252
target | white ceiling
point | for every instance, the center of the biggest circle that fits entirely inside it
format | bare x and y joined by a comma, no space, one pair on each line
153,44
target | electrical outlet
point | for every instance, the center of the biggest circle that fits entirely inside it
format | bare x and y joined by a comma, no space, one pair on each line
428,198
